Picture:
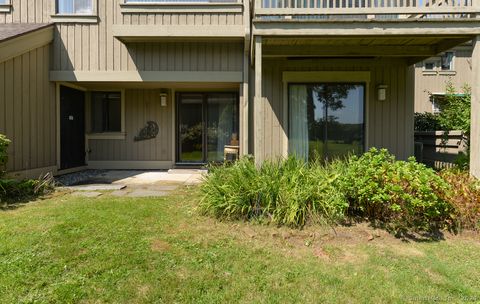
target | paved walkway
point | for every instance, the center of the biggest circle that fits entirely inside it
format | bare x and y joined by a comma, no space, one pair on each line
129,183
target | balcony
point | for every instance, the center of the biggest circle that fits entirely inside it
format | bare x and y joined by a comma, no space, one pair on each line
366,9
144,21
455,19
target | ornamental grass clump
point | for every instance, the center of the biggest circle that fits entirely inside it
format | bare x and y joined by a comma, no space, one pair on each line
286,192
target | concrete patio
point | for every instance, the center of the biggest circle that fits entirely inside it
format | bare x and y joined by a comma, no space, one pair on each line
128,183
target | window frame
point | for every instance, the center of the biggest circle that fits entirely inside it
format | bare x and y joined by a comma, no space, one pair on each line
6,7
452,62
434,99
107,135
75,18
363,84
327,77
424,66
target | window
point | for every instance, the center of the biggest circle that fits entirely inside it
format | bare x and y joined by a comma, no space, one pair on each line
74,7
429,66
326,120
447,61
106,110
437,100
4,2
174,1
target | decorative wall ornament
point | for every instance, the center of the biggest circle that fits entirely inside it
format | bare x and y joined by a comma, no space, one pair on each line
148,132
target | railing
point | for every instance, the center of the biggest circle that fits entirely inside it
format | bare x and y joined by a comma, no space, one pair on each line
368,9
440,149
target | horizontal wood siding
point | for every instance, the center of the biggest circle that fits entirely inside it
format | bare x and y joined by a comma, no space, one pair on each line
140,106
390,123
27,110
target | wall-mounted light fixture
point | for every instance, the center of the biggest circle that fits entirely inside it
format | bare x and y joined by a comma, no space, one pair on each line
382,92
163,99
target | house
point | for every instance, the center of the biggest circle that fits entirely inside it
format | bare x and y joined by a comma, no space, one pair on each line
433,74
160,84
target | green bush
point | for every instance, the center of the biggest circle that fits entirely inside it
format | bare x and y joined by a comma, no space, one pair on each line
400,195
427,122
403,195
4,142
12,191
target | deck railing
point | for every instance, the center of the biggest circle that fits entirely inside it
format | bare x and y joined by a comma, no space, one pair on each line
369,9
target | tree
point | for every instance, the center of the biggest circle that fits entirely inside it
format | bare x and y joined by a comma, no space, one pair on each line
455,109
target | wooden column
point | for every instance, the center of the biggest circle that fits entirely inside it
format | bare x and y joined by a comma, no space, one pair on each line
244,123
258,107
475,116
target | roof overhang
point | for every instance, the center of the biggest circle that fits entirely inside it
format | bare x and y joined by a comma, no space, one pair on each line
146,33
147,76
22,42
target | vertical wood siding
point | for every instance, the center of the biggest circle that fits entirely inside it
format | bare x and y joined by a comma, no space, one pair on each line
28,11
424,84
141,105
27,110
389,123
92,47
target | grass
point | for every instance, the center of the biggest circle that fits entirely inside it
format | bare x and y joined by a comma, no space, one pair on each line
131,250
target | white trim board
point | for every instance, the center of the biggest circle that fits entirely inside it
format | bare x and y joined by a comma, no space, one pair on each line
326,76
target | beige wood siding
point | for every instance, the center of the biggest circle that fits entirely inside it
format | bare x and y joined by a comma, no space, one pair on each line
27,110
155,56
389,123
92,47
141,105
28,11
437,83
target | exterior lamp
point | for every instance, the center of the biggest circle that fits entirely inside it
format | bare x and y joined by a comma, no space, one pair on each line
163,99
382,92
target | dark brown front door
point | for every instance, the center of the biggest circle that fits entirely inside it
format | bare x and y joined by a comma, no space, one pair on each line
72,128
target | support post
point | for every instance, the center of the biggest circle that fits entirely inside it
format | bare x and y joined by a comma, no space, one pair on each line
244,121
475,111
258,106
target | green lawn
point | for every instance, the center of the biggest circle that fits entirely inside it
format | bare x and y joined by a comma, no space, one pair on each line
70,249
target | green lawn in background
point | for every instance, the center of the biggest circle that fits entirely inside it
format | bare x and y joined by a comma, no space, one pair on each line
132,250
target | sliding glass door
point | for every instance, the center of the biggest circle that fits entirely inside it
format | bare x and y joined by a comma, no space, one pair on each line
207,123
326,120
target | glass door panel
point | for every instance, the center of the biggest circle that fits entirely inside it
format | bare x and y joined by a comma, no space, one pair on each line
190,128
207,124
222,125
326,120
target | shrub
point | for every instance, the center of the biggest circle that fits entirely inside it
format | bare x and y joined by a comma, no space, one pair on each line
13,190
403,195
455,109
426,122
4,142
465,197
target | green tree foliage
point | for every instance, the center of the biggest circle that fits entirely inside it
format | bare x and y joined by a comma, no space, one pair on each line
455,109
